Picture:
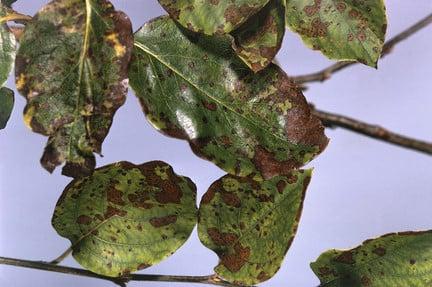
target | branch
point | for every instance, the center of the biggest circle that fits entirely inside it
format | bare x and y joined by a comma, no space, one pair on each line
334,120
121,281
326,73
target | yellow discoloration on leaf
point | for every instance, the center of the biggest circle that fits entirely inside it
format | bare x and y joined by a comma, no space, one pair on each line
28,116
120,50
20,81
162,172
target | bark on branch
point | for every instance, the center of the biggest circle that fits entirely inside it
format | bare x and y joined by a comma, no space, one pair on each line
122,281
374,131
326,73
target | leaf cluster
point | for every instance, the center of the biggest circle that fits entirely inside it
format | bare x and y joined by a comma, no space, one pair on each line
203,74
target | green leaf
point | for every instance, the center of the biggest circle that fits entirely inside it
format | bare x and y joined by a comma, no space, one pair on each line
250,224
259,39
341,30
6,105
214,16
396,259
194,87
72,68
7,49
126,217
8,2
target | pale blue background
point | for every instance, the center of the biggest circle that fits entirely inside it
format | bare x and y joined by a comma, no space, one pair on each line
361,187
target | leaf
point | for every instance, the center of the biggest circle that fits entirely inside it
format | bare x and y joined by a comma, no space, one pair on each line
396,259
195,88
259,39
6,105
72,69
7,49
214,16
126,217
342,29
8,2
250,224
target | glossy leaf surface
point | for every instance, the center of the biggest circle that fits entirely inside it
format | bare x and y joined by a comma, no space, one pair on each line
195,88
250,224
259,39
72,69
397,259
6,105
214,16
126,217
341,30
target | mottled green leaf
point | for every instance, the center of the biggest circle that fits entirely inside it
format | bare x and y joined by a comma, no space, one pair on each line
397,259
6,105
341,29
72,69
194,87
212,16
7,49
259,39
126,217
250,224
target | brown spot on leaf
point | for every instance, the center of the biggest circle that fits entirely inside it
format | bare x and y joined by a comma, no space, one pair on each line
365,281
234,262
263,276
231,199
84,219
379,251
112,211
222,239
115,196
346,257
163,221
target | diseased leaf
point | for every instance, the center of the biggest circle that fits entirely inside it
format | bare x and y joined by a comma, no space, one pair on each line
194,87
126,217
259,39
6,105
213,16
72,69
396,259
342,29
7,49
250,224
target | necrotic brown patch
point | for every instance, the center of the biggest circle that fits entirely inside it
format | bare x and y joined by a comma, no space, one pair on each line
163,221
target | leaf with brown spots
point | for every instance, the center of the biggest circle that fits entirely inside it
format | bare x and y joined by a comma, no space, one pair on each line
350,30
126,217
250,224
194,87
396,259
72,69
259,39
212,16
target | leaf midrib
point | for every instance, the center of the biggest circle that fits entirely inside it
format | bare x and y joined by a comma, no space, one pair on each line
265,129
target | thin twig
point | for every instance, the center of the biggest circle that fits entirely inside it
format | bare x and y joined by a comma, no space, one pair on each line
121,281
326,73
374,131
62,256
